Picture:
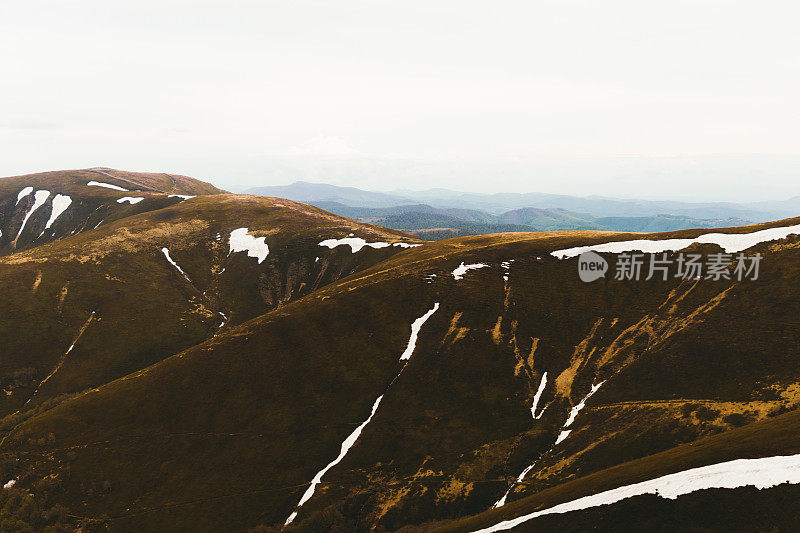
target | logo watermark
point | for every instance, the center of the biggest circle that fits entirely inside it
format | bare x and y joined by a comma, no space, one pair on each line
591,266
639,266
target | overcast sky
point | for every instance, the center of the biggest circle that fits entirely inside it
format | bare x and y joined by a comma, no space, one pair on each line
681,99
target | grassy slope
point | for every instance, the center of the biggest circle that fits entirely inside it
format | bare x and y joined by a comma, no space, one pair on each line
119,272
226,434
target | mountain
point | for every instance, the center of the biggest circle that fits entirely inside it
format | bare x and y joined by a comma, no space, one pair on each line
499,203
433,223
39,208
427,222
462,214
604,207
361,384
551,219
311,193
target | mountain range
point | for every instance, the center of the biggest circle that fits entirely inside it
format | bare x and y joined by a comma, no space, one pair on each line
179,358
441,213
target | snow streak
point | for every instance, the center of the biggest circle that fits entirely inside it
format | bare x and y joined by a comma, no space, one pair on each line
165,251
561,436
353,437
415,327
538,396
346,445
39,198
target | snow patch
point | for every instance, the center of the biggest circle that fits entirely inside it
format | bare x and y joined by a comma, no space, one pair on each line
130,199
106,185
462,269
760,473
357,243
730,242
23,193
346,445
60,204
256,247
39,198
10,483
415,327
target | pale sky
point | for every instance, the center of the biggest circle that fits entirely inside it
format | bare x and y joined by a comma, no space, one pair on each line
682,99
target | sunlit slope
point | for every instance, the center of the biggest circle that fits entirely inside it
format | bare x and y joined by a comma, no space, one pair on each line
229,434
92,307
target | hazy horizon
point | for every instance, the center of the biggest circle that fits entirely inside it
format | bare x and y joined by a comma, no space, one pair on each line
693,101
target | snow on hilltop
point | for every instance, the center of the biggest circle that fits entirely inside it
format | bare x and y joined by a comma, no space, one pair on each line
357,243
730,242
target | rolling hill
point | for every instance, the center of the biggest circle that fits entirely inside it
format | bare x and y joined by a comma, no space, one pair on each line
241,363
445,215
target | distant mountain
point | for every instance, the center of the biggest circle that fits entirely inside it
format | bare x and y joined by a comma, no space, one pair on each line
605,207
551,219
432,223
535,210
301,191
664,223
428,222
